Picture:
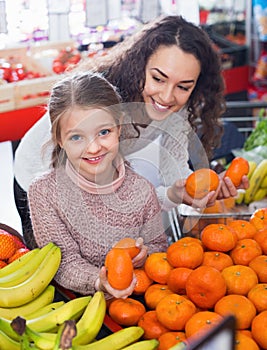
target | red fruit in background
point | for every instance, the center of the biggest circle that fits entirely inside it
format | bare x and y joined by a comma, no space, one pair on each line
7,245
18,253
19,243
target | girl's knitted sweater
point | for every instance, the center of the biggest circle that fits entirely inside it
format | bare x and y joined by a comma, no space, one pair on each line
85,225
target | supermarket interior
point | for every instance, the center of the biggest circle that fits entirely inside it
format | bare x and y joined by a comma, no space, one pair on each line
176,175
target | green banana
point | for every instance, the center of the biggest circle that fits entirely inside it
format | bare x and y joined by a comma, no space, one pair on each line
25,310
114,341
264,183
240,196
5,326
66,333
260,194
18,263
91,321
70,310
150,344
252,167
43,341
30,289
258,175
45,309
7,343
23,273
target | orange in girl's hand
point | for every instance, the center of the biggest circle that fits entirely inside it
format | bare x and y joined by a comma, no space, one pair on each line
128,244
237,169
201,182
119,268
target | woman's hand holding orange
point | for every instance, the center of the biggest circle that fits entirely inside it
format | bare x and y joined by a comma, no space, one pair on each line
140,258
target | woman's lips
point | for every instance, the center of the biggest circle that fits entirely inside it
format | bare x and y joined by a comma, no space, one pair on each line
159,107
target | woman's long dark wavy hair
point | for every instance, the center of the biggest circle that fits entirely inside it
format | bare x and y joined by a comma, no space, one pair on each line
124,66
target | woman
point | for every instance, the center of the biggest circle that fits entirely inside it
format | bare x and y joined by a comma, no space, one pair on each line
169,67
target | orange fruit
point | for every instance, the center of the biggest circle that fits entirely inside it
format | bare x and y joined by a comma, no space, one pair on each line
184,253
243,228
7,245
261,238
201,322
199,183
259,265
153,329
157,267
205,286
259,218
245,250
126,312
171,338
245,331
218,260
119,268
177,279
258,329
142,281
155,293
218,237
258,296
238,305
244,342
19,242
237,169
174,310
18,253
2,264
128,244
239,279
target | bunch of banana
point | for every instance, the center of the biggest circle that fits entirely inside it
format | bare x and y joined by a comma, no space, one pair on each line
31,278
257,183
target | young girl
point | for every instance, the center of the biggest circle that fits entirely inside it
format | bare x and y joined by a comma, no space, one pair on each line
91,199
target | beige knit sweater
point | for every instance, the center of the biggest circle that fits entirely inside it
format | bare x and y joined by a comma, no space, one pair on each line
86,225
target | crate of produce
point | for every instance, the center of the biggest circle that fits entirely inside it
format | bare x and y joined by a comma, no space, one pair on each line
230,41
22,76
192,221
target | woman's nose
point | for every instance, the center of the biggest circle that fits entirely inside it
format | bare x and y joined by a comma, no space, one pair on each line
166,95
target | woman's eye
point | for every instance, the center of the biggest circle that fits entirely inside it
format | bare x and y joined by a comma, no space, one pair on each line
183,88
104,132
75,137
156,79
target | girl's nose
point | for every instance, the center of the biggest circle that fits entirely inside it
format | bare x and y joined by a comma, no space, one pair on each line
93,146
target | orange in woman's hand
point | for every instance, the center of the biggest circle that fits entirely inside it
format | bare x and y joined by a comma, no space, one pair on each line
128,244
201,182
119,268
237,169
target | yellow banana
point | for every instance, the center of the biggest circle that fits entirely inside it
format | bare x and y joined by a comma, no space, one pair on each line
7,343
150,344
91,321
264,183
70,310
240,196
114,341
260,194
43,299
30,289
44,310
179,346
24,272
18,263
258,175
252,167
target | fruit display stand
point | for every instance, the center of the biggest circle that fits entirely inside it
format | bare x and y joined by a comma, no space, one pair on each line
22,102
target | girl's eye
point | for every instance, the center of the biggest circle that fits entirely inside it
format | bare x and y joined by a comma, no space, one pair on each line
104,132
75,137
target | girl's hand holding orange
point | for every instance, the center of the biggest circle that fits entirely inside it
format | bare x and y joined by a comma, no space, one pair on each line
103,285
